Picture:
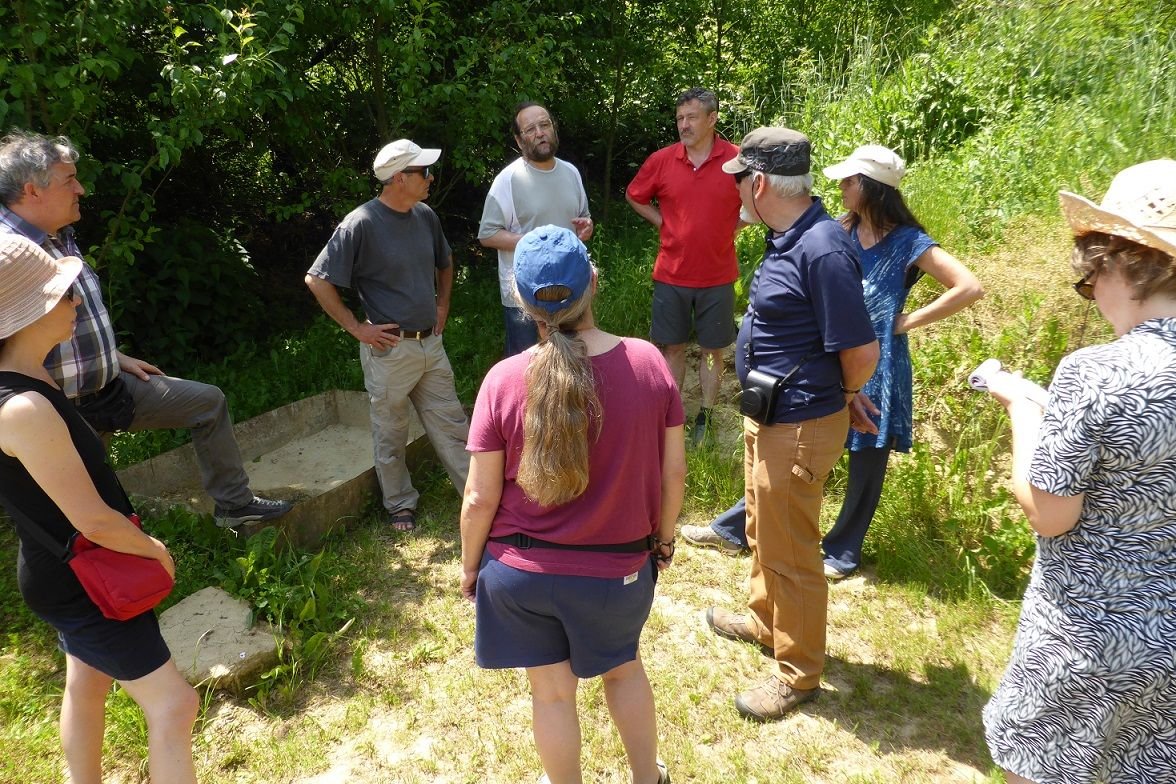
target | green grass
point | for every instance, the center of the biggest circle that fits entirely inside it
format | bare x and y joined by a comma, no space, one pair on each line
996,109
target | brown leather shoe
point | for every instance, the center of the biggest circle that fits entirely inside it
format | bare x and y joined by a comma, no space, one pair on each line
735,627
772,699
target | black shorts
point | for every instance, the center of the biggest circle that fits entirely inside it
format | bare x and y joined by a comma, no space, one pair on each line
124,650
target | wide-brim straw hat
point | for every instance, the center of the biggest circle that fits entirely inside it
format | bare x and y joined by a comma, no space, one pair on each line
31,282
1140,206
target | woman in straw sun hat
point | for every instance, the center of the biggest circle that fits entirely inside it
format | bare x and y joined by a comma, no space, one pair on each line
577,472
1089,694
53,474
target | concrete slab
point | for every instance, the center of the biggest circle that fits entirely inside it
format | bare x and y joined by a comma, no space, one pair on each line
316,452
214,641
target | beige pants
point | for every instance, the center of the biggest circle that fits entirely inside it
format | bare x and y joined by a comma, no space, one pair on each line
413,373
785,468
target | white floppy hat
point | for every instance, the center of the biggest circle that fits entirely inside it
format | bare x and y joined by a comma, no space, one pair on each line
31,282
873,160
399,155
1140,206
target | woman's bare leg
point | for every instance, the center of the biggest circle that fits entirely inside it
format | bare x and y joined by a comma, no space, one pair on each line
1013,778
170,706
630,703
554,721
83,720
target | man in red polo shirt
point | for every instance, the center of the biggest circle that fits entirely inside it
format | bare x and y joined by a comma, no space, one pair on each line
697,216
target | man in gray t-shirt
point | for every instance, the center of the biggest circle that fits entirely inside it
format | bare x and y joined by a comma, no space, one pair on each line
392,251
535,190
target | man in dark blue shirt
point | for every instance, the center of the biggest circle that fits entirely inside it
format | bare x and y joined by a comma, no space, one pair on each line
806,323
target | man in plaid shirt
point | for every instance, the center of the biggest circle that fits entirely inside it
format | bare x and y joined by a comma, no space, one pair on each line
39,198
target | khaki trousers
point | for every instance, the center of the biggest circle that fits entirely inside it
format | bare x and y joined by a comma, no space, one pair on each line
785,468
413,373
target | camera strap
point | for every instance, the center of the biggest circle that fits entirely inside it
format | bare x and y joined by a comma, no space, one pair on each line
819,348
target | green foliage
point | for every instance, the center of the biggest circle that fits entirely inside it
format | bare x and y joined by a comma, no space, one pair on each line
189,284
947,519
298,593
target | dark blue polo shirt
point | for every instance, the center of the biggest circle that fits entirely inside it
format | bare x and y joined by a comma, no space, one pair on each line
806,296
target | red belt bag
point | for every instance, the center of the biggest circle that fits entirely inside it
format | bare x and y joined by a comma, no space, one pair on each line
122,585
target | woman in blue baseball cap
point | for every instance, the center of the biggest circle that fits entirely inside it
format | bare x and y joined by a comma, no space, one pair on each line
577,473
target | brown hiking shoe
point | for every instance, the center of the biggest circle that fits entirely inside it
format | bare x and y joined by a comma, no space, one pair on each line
735,627
772,699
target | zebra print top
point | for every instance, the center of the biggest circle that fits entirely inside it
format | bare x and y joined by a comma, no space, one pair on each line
1090,690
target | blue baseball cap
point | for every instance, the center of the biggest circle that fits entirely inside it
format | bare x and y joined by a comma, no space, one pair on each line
551,256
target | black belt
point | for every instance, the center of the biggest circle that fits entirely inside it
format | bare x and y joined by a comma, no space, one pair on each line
524,542
404,333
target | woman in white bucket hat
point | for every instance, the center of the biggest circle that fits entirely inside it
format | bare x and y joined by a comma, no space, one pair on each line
47,454
1089,694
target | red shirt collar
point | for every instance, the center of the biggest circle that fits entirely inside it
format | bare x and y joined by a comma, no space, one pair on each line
715,152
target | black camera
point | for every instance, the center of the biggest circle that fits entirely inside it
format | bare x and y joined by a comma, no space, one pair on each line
758,399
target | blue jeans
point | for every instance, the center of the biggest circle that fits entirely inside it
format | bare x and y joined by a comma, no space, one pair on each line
843,544
521,332
732,524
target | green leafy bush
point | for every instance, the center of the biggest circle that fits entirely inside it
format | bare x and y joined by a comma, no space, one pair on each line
180,301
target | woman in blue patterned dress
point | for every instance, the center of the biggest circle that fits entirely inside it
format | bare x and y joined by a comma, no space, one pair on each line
895,252
1089,694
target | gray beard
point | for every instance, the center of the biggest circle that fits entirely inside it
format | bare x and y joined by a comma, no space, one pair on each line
747,216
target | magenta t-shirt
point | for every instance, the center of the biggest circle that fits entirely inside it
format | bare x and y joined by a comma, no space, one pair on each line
638,400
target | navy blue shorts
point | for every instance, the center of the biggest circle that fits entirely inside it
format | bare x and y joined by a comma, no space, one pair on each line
124,650
525,619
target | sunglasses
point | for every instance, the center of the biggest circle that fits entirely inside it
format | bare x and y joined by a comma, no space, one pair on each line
424,172
741,176
1085,287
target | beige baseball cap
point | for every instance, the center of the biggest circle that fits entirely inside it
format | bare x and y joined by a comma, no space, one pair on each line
873,160
399,155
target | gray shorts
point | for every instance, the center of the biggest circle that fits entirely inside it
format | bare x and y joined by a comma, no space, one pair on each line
712,308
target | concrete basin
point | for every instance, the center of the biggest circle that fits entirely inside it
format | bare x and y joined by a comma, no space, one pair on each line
316,452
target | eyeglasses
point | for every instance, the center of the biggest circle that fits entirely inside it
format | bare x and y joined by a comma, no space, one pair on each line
547,126
71,293
1085,287
424,172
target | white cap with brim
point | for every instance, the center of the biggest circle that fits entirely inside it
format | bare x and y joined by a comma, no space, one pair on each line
1140,206
873,160
31,282
399,155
